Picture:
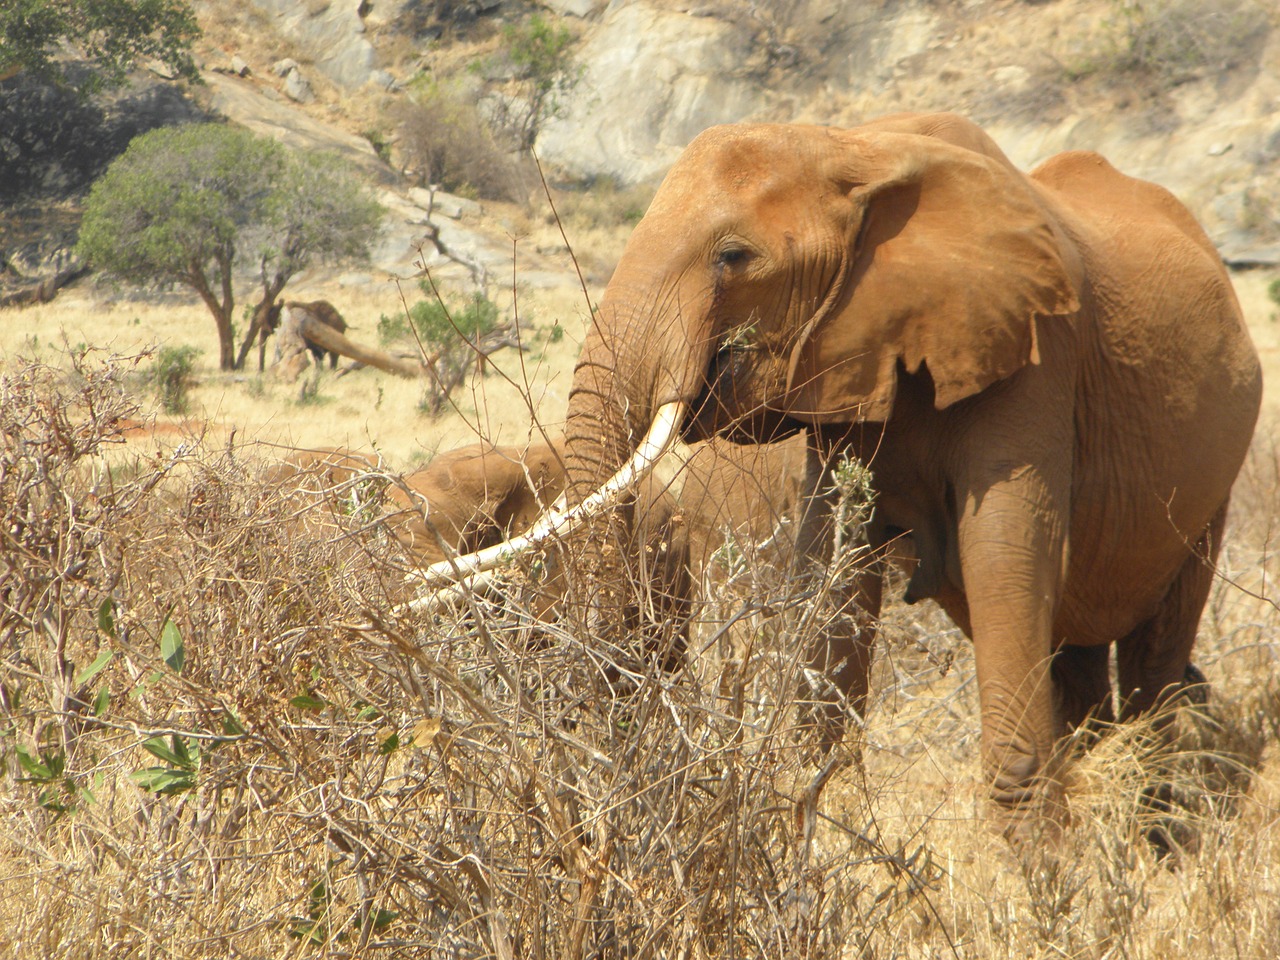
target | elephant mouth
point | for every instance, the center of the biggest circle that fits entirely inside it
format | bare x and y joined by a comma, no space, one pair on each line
727,407
707,409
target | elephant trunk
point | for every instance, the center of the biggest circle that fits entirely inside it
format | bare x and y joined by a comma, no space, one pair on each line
632,386
624,413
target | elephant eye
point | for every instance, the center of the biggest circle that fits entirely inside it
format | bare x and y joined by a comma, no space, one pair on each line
733,256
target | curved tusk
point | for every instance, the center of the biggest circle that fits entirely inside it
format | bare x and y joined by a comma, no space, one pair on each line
557,522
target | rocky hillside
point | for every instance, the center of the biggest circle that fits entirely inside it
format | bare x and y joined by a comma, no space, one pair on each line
1181,92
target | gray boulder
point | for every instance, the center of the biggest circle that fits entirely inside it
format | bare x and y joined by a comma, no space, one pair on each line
297,88
653,80
330,35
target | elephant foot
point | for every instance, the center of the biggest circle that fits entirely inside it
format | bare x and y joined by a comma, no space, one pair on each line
1031,802
1195,686
1165,809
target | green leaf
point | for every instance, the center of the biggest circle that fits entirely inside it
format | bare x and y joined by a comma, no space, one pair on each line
101,701
164,780
93,669
107,617
32,764
231,725
308,930
307,702
159,749
171,646
379,919
187,751
389,745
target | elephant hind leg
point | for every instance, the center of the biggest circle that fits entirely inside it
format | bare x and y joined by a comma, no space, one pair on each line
1082,679
1154,660
1155,668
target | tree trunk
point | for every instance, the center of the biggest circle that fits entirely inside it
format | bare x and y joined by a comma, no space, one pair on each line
297,329
221,309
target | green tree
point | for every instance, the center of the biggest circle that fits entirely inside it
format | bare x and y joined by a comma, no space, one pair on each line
112,34
540,50
455,339
191,204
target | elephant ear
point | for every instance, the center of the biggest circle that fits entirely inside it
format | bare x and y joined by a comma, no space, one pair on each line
951,259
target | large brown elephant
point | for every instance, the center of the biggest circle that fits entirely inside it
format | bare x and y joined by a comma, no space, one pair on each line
1047,374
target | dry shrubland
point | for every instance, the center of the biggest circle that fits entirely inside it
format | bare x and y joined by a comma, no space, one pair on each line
222,738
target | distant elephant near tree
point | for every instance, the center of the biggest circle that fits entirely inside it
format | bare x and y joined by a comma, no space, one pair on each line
320,310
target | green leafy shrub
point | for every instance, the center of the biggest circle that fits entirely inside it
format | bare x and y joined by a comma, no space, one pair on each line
453,338
172,377
541,51
115,35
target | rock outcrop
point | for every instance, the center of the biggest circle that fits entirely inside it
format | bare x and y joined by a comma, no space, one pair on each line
652,80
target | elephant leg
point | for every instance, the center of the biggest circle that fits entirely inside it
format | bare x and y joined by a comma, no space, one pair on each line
1082,678
839,663
1154,660
1012,544
263,333
1155,668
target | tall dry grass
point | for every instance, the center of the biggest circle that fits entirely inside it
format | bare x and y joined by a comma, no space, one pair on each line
221,739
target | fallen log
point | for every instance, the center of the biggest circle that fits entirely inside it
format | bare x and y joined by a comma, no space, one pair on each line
298,329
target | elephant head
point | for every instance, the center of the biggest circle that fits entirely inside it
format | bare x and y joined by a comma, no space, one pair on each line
786,272
473,497
1047,374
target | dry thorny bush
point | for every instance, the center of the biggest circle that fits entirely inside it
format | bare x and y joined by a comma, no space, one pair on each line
223,738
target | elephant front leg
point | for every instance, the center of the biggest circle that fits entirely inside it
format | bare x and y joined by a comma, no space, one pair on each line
1012,542
850,587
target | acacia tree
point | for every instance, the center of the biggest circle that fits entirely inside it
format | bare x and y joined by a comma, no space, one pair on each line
191,205
112,34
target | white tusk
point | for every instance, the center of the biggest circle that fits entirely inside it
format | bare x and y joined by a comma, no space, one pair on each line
557,522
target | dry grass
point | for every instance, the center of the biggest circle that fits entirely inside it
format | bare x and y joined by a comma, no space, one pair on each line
329,778
365,410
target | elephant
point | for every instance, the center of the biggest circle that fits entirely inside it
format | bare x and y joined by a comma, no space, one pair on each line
321,310
1047,375
705,496
473,497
